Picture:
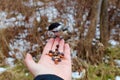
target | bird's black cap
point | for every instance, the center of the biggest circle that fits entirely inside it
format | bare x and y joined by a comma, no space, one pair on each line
53,26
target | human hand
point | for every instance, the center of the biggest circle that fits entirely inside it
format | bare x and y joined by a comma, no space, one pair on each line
46,66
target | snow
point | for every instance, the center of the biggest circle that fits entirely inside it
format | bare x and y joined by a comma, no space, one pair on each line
113,42
20,17
5,22
34,47
31,3
106,59
85,32
38,18
51,12
10,61
85,15
117,78
74,53
117,62
39,29
2,70
77,75
17,47
71,22
113,31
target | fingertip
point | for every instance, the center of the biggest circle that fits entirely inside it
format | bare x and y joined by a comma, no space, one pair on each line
57,39
29,62
67,51
67,46
51,39
28,59
28,56
62,40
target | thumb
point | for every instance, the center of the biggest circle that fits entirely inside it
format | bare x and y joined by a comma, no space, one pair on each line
29,61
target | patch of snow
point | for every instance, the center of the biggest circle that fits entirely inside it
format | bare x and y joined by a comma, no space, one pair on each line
113,42
2,70
20,17
85,32
10,61
51,12
39,3
113,31
71,10
74,53
11,19
77,38
34,47
106,59
85,15
38,18
17,47
5,22
117,78
70,21
76,29
39,29
87,23
77,75
3,15
117,62
30,24
31,3
97,34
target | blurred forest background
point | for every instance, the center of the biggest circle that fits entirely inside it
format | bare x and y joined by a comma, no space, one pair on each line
94,36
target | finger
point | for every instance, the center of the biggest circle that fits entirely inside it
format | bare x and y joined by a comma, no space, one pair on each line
61,45
29,61
56,42
67,52
48,46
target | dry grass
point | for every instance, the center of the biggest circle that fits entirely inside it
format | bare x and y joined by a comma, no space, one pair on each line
19,72
15,5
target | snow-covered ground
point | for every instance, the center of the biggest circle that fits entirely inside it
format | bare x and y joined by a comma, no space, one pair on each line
77,75
2,69
117,62
18,45
117,78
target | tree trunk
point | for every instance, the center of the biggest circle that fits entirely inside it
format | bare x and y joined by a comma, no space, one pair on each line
104,23
90,35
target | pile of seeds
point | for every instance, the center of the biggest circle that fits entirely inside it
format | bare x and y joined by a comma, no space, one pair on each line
56,56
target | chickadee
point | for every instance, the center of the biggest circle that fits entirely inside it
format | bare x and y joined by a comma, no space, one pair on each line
57,30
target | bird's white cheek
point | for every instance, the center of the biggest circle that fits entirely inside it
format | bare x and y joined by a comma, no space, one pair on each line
50,34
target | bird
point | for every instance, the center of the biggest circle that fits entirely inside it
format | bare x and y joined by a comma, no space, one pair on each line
57,29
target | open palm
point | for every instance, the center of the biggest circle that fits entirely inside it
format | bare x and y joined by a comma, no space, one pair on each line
47,66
